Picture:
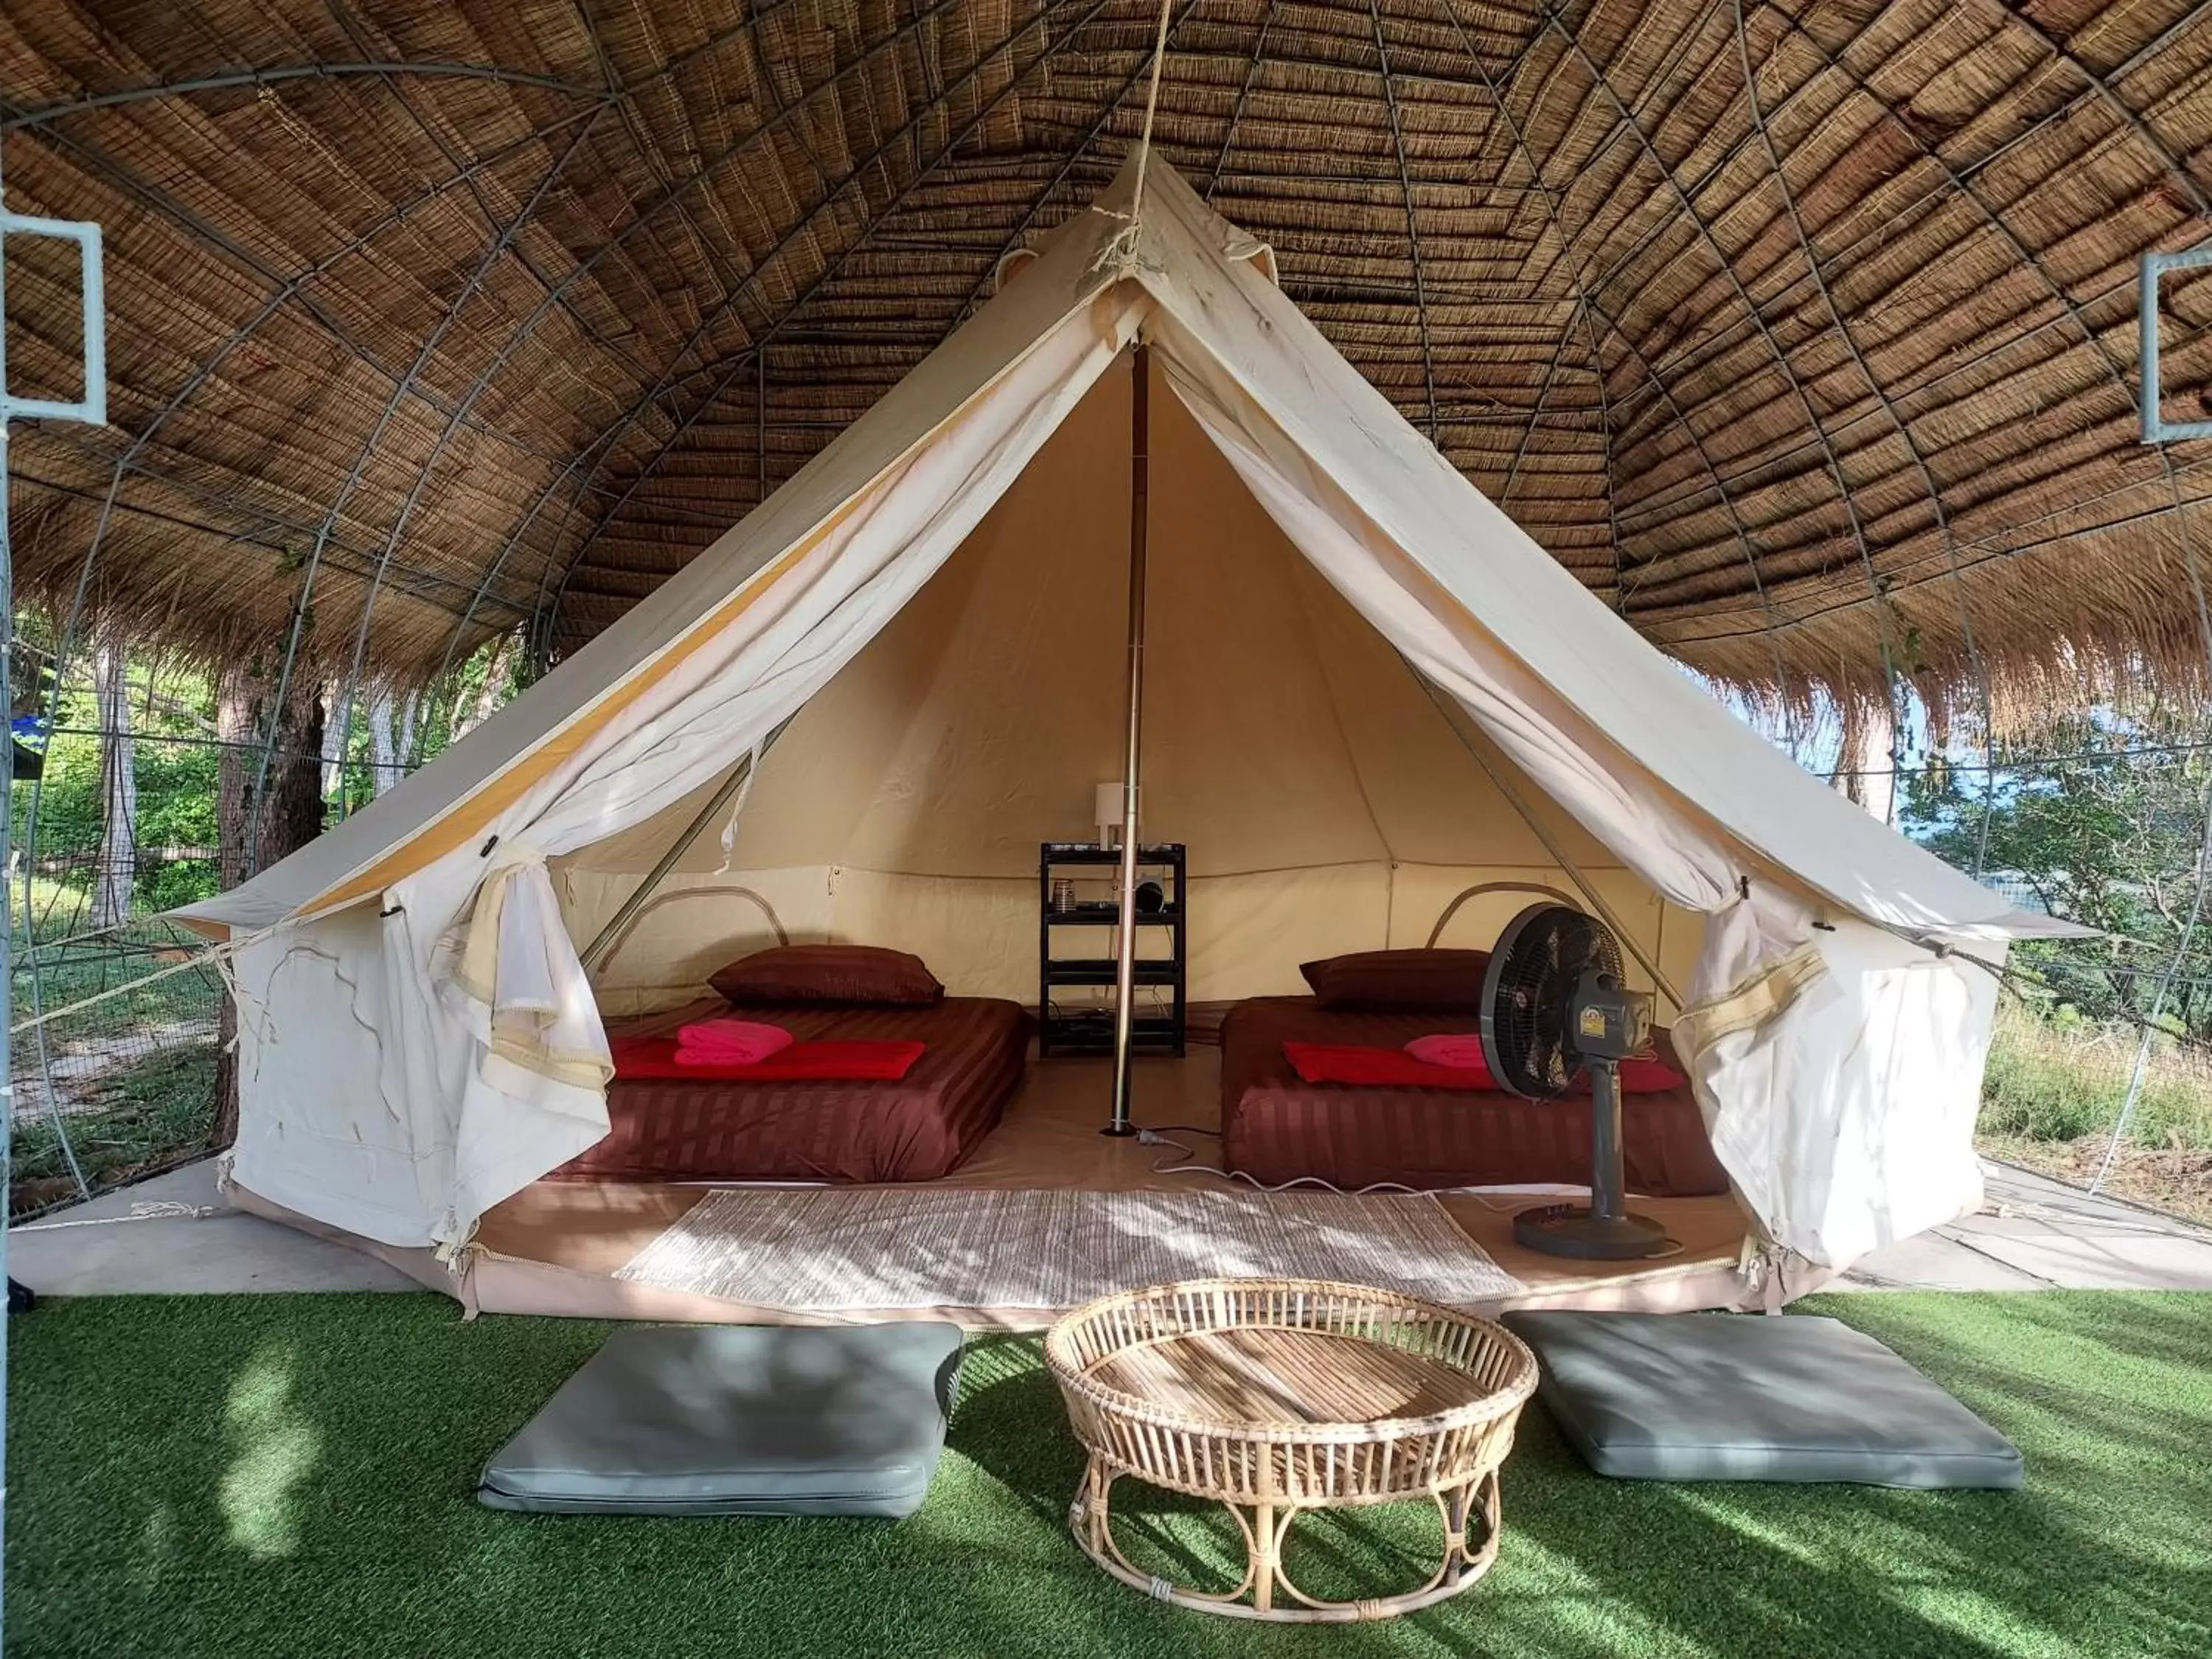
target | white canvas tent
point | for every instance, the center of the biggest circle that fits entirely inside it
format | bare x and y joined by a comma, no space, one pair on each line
1358,665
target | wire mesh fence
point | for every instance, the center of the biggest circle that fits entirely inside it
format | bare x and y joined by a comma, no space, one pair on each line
2101,1069
114,1079
136,792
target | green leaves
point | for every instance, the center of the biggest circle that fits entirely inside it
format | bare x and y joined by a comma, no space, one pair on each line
2102,823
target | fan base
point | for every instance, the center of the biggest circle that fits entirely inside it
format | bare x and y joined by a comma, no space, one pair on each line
1575,1230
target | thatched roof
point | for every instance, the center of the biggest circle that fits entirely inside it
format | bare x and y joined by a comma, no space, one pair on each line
496,311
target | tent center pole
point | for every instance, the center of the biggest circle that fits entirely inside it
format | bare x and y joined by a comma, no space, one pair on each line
1124,932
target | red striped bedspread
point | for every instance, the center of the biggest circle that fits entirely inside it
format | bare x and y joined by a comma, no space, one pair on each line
1276,1127
922,1125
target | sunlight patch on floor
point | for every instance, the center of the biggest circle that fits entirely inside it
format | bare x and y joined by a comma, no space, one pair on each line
274,1450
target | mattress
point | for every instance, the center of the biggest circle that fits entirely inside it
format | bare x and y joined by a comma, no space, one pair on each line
921,1126
1276,1128
738,1420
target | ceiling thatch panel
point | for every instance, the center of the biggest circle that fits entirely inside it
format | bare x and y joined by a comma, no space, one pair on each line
431,319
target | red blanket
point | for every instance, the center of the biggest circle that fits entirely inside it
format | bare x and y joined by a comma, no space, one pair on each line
1394,1068
1378,1068
850,1061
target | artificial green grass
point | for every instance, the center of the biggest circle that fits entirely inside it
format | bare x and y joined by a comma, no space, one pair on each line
270,1475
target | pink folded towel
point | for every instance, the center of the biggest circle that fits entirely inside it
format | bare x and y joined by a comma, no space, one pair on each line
728,1042
1454,1050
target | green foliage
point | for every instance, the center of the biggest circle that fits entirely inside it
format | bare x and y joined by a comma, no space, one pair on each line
143,1115
2059,1080
2108,832
175,762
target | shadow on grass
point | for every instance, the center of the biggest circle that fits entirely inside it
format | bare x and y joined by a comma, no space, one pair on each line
2104,1553
277,1475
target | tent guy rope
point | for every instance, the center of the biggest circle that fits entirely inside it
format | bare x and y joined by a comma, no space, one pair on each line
1120,252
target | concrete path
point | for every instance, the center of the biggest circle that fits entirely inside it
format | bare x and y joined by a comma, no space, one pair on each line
173,1234
2035,1234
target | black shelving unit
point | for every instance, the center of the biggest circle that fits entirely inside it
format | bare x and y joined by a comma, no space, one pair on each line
1067,1027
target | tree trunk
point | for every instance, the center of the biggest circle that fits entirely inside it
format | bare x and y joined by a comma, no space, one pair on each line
334,746
119,833
403,753
384,764
290,813
491,693
391,737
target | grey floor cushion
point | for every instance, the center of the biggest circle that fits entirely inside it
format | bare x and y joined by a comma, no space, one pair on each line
738,1420
1748,1397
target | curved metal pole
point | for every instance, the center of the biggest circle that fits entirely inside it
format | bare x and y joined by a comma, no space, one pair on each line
1961,182
499,245
643,216
93,408
1412,221
618,351
1243,97
1876,236
1688,207
271,77
1445,707
1481,888
1580,311
2128,115
238,337
1904,431
129,183
257,526
2141,1067
1125,931
361,242
1570,248
883,149
1074,157
606,442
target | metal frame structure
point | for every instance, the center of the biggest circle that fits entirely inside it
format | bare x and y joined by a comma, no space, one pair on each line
2156,428
766,291
91,408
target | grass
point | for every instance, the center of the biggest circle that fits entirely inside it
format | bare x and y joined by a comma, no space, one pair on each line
132,1074
272,1475
2053,1092
141,1117
2050,1081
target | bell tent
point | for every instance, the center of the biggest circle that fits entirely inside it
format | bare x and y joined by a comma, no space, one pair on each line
1367,692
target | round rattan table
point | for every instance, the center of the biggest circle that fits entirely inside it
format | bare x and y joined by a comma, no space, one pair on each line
1275,1396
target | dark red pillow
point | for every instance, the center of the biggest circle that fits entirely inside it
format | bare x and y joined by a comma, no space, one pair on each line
1399,979
827,972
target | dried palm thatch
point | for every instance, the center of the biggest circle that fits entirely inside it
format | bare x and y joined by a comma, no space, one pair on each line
1801,331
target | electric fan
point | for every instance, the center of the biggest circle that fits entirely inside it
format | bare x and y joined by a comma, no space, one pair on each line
1553,1005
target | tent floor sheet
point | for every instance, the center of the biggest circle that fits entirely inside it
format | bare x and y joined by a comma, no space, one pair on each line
555,1247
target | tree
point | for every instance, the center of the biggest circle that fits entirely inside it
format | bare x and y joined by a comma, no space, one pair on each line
117,870
389,746
289,813
497,686
334,742
2106,827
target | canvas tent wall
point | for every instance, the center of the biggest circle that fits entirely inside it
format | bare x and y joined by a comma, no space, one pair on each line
1328,802
418,1041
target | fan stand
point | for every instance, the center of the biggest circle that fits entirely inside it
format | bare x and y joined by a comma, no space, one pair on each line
1602,1229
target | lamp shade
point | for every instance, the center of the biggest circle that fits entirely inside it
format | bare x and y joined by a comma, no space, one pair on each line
1108,816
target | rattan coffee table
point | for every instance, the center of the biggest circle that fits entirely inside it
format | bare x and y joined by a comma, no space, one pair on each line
1275,1396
